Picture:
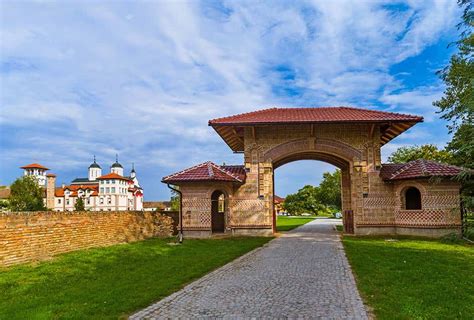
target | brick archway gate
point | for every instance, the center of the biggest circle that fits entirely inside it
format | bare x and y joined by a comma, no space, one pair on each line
348,138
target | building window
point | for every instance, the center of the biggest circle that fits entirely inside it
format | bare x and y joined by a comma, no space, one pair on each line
101,201
113,189
59,201
88,201
221,203
107,181
67,201
109,200
113,181
107,190
412,199
101,189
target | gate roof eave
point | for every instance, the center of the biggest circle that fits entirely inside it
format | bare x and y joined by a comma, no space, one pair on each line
231,128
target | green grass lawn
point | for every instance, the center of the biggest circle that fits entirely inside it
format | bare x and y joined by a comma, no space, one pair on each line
285,223
414,279
112,282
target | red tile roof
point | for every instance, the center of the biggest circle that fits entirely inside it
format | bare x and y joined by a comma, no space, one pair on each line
59,192
277,199
236,170
112,176
208,171
312,115
34,166
51,175
418,169
231,128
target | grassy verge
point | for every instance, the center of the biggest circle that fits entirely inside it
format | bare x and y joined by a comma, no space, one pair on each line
412,278
285,223
108,283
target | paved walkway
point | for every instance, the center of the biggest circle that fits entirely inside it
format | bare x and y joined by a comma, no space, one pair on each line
302,275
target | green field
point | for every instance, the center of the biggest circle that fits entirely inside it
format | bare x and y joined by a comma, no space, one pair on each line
412,278
112,282
285,223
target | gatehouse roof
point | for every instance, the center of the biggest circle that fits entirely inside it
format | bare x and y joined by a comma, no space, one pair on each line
418,169
231,128
208,171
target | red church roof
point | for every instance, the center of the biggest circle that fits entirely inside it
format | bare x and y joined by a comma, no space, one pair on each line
418,169
208,171
112,176
34,166
231,128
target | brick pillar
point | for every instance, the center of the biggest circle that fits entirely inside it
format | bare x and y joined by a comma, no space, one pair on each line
50,186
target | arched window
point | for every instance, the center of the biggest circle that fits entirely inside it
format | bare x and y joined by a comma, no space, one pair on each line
412,199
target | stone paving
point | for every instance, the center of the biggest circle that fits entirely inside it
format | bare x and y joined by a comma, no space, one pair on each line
302,275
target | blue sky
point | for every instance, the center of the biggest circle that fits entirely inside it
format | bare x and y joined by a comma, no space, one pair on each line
142,78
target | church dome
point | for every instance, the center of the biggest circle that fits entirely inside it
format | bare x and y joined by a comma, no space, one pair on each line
117,165
94,165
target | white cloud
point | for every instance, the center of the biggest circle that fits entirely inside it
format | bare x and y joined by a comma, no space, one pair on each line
143,79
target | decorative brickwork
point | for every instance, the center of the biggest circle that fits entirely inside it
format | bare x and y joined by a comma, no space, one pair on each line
427,218
26,237
329,135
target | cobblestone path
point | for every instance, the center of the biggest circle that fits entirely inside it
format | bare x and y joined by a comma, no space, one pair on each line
302,275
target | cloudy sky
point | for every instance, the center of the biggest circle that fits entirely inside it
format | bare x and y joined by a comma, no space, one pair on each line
142,78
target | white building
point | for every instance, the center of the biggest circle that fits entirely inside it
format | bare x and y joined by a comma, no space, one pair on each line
109,192
36,170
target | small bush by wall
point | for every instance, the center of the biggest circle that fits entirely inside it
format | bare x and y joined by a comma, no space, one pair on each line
31,236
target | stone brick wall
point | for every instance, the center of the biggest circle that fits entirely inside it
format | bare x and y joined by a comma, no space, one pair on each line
30,236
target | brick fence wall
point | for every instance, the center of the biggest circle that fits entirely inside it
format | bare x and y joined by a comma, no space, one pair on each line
31,236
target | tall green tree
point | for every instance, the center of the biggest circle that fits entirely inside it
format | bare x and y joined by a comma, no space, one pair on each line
79,205
426,151
457,103
329,190
26,195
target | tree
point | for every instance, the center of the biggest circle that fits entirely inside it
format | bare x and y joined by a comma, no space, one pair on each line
457,103
426,151
79,205
26,195
329,190
324,198
174,200
303,201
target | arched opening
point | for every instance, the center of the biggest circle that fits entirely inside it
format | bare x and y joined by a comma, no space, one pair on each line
218,208
412,199
296,166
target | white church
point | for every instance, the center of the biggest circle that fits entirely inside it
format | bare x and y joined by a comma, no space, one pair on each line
100,192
